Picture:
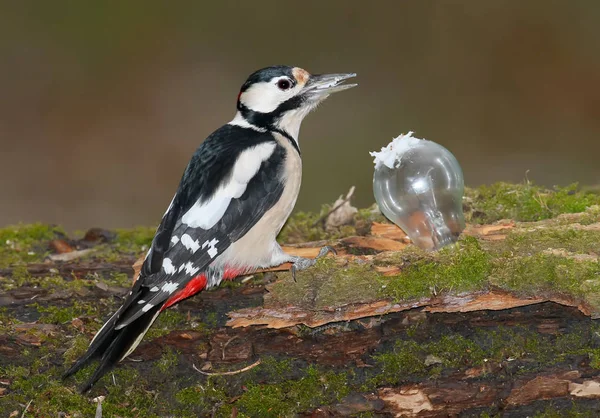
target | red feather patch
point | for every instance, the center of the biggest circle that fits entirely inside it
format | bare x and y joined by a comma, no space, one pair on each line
196,285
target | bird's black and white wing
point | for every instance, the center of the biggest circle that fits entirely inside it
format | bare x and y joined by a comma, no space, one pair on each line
232,180
205,218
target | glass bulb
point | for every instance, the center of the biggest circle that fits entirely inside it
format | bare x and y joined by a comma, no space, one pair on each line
419,186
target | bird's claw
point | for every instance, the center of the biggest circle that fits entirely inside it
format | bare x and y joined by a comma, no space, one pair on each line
302,263
326,250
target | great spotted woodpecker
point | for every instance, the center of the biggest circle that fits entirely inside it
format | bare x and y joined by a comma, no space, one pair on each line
234,197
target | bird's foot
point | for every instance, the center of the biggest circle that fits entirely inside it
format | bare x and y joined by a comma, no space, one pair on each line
301,263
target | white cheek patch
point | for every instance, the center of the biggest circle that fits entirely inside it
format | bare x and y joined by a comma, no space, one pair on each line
206,214
265,97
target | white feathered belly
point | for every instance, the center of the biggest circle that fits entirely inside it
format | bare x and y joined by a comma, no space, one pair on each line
258,248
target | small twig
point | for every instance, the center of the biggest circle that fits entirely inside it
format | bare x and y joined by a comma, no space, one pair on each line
26,408
225,346
346,200
245,369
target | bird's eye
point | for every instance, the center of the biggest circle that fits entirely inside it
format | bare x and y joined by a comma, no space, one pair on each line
284,84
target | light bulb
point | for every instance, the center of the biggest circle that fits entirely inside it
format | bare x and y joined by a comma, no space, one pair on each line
419,186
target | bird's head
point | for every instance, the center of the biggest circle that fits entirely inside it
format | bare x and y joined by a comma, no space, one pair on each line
279,97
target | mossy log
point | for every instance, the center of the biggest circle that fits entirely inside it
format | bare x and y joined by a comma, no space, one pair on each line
500,324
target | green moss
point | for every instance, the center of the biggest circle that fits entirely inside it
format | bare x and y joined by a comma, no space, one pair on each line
489,415
272,369
168,361
462,267
6,321
370,214
307,226
366,414
292,396
591,215
127,242
25,243
520,343
525,202
350,284
21,277
48,395
170,320
193,395
328,284
541,272
134,240
594,355
77,347
456,351
576,411
568,239
130,396
208,398
533,351
406,359
211,319
60,315
300,227
119,280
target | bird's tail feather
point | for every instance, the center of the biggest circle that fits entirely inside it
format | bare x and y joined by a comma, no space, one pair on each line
111,345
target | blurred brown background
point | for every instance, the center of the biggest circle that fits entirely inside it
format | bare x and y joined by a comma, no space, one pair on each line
101,105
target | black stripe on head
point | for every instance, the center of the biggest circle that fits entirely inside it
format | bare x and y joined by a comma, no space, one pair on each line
267,120
267,74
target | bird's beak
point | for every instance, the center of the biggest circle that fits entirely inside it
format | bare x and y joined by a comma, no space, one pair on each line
325,84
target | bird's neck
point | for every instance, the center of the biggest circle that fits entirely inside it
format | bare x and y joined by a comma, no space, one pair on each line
240,120
288,124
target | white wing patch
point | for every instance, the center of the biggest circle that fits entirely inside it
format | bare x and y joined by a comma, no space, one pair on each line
206,214
169,287
174,239
147,307
168,266
190,243
189,268
212,249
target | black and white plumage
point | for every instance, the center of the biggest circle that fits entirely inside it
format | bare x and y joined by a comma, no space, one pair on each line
234,197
